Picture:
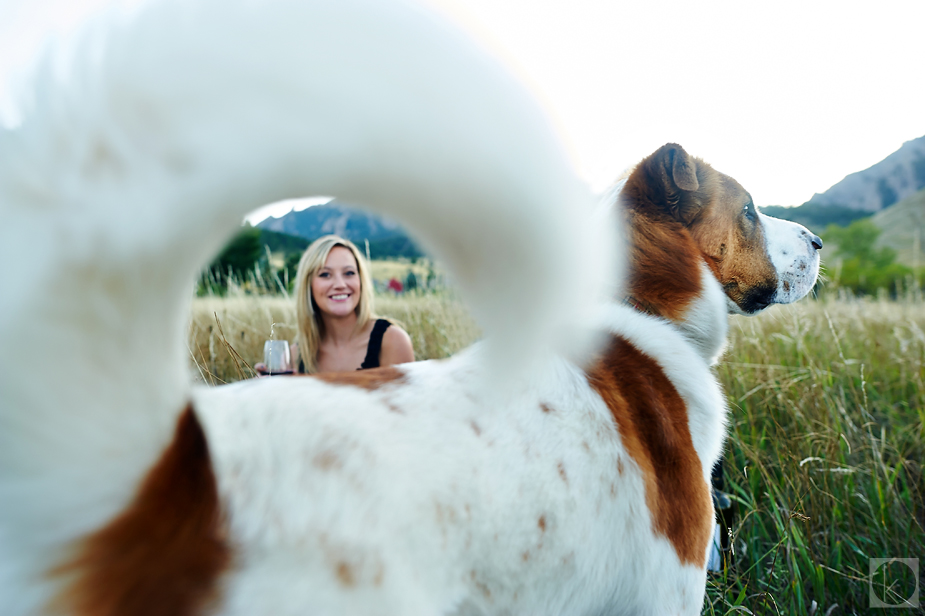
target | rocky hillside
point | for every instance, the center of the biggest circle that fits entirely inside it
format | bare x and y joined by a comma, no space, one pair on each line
387,239
334,218
903,229
896,177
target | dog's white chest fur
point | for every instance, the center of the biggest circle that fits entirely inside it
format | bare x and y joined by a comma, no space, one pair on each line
427,496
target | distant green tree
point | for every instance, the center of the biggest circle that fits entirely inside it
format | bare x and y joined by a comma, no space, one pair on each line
239,255
392,247
864,268
858,241
814,216
292,267
411,281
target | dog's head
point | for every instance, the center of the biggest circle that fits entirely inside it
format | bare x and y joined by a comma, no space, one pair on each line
758,260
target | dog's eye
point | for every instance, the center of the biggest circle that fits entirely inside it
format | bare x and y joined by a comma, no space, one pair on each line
749,211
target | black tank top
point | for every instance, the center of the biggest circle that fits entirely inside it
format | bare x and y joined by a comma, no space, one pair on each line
373,348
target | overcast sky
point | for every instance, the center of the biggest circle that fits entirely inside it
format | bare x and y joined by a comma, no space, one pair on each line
788,97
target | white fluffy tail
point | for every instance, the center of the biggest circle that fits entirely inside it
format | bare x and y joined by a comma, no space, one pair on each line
138,159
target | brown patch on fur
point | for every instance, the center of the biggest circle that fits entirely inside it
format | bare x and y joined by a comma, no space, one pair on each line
620,467
562,473
542,523
370,380
475,428
666,261
480,585
652,421
545,408
525,556
165,552
675,222
327,460
345,574
438,508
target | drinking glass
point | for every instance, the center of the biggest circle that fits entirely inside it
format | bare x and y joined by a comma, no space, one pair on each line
276,357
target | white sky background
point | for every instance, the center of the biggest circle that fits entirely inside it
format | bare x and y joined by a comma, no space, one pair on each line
788,97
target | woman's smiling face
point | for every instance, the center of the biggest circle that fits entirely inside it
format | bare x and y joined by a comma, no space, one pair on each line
336,286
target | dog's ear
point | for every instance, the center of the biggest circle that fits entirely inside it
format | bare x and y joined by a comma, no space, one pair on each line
675,168
683,168
676,173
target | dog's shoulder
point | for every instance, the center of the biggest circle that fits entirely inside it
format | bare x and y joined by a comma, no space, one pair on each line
669,410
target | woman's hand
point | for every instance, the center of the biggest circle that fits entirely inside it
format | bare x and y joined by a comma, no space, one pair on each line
261,368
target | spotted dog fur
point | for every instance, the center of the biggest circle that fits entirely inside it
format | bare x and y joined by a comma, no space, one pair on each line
533,473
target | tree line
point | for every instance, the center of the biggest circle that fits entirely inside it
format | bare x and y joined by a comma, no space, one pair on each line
246,261
860,266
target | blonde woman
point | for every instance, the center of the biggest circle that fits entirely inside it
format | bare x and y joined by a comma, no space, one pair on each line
338,331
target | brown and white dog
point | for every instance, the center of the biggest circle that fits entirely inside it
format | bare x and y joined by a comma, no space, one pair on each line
508,479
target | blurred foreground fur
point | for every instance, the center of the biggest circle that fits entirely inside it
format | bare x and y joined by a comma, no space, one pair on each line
826,447
136,152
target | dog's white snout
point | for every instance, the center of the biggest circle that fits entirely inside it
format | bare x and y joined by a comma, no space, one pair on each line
794,252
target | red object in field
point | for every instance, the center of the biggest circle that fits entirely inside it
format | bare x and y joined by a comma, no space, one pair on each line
396,285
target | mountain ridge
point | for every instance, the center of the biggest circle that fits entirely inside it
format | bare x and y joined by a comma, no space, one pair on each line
334,218
881,185
386,237
902,228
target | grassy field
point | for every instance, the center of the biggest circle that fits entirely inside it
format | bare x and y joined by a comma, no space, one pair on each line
825,455
386,270
826,448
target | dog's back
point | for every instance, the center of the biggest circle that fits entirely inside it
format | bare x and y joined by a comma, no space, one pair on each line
124,176
423,493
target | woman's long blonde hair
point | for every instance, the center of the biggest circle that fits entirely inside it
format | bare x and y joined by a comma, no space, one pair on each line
311,326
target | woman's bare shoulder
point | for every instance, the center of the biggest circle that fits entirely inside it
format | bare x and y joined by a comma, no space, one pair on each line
396,347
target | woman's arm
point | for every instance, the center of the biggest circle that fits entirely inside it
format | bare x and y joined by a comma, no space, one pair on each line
396,347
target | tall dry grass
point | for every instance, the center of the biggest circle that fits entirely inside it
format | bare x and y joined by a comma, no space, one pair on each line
826,440
825,454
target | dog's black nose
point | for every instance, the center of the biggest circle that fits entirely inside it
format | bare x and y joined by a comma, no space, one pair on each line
816,241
